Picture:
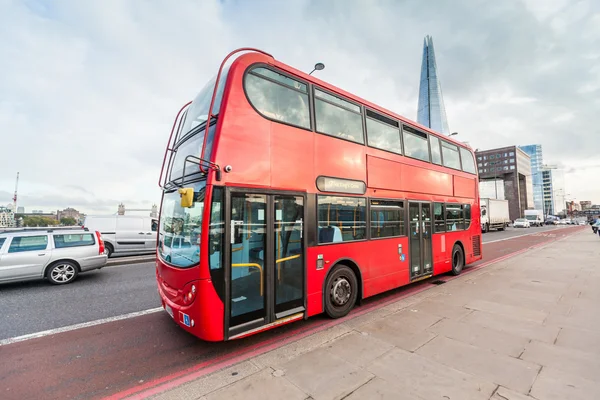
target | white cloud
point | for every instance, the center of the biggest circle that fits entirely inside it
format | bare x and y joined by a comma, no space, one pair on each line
90,90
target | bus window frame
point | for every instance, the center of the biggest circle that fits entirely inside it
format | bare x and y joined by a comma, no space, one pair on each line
367,218
249,69
360,105
399,127
404,216
416,134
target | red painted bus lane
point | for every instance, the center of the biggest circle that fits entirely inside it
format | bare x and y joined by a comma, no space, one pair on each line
146,354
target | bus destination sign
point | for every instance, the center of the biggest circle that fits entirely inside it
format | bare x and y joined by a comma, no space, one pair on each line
327,184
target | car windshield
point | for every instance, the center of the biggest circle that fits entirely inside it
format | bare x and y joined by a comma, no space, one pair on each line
521,220
531,217
180,228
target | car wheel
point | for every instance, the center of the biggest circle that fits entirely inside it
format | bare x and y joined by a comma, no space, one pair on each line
341,292
458,260
108,249
62,272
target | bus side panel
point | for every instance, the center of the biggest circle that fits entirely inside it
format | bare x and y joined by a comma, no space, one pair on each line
386,174
211,312
244,140
386,267
464,187
357,252
338,158
292,165
442,248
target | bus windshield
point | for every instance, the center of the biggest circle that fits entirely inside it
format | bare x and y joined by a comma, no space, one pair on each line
197,114
180,228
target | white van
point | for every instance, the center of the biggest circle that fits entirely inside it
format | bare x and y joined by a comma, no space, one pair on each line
125,234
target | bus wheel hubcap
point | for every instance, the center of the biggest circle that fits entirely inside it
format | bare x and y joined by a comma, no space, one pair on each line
340,292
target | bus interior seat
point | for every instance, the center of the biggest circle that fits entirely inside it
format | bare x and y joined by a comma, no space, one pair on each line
330,234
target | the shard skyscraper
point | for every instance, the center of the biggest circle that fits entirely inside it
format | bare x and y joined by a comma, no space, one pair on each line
431,111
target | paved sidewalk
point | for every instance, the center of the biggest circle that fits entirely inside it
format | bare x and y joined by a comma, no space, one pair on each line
524,328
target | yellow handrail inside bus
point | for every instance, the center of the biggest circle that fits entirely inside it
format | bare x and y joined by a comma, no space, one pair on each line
282,260
237,249
252,265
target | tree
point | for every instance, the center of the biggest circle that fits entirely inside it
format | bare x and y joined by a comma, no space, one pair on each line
35,221
68,221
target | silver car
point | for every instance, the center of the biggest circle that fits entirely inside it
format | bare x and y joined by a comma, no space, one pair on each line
58,255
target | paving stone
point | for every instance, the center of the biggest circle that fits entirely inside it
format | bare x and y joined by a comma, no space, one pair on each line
260,386
506,394
576,362
324,375
399,336
429,379
284,354
508,310
579,339
199,387
513,326
379,389
436,306
358,349
538,285
490,339
507,371
553,384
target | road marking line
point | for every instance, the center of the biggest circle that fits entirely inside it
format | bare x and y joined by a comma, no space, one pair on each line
526,234
78,326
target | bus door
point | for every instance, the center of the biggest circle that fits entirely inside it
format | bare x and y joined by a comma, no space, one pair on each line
419,216
266,278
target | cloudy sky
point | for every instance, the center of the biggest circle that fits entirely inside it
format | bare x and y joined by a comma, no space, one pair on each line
88,90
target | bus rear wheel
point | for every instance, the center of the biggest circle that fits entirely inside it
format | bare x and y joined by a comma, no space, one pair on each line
341,292
458,260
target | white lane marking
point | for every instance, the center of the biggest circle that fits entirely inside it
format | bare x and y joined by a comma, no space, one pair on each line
36,335
527,234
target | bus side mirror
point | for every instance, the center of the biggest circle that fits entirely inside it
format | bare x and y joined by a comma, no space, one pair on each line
187,197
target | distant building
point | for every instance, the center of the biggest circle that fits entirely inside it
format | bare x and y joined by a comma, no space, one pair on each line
510,168
554,190
431,111
573,206
20,210
7,218
585,205
537,164
69,213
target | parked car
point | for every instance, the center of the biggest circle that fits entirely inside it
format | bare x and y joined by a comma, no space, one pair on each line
55,254
521,223
125,234
581,222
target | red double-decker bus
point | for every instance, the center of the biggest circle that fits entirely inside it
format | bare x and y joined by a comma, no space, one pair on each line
285,197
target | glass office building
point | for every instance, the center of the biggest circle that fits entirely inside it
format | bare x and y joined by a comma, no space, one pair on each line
537,165
431,111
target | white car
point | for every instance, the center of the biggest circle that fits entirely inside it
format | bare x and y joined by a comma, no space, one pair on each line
521,223
581,222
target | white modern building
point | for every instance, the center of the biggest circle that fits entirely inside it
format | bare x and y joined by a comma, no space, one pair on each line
7,218
554,190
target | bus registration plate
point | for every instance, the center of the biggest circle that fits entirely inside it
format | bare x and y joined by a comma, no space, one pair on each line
169,310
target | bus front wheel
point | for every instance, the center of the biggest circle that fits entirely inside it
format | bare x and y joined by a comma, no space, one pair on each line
341,292
458,260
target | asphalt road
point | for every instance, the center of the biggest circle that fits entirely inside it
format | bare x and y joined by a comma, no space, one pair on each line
116,359
35,306
31,307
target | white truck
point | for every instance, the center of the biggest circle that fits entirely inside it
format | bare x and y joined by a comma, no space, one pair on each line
535,217
494,214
